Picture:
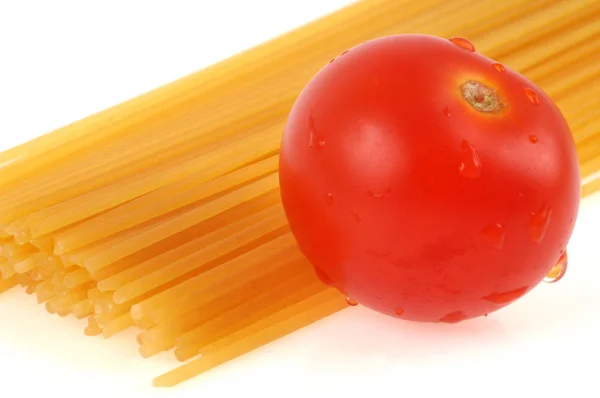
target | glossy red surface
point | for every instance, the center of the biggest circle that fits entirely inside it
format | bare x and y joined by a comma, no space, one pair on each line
421,200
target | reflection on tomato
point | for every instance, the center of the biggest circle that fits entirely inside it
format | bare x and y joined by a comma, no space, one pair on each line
427,181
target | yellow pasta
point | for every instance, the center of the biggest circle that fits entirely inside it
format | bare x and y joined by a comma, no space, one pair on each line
159,202
163,213
83,308
7,283
268,329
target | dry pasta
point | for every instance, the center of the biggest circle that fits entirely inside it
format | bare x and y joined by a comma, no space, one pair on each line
163,213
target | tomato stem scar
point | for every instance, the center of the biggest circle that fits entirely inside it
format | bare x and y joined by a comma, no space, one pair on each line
481,97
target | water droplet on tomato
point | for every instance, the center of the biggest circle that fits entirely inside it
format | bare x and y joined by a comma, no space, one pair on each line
559,270
533,139
317,141
447,111
494,235
453,317
352,303
323,277
356,216
539,223
378,194
506,297
532,96
329,198
399,311
470,166
499,67
463,43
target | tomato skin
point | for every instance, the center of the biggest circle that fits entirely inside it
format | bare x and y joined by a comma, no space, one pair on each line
412,202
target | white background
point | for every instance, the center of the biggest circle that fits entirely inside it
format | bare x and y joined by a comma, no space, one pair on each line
60,61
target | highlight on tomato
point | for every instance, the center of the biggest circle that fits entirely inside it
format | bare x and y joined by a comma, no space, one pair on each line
427,181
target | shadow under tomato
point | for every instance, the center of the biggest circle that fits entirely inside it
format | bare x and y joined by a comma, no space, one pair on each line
370,333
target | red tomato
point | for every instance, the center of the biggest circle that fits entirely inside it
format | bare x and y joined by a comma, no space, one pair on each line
425,180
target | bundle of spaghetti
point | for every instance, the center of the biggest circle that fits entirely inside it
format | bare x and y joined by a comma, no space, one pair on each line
163,213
